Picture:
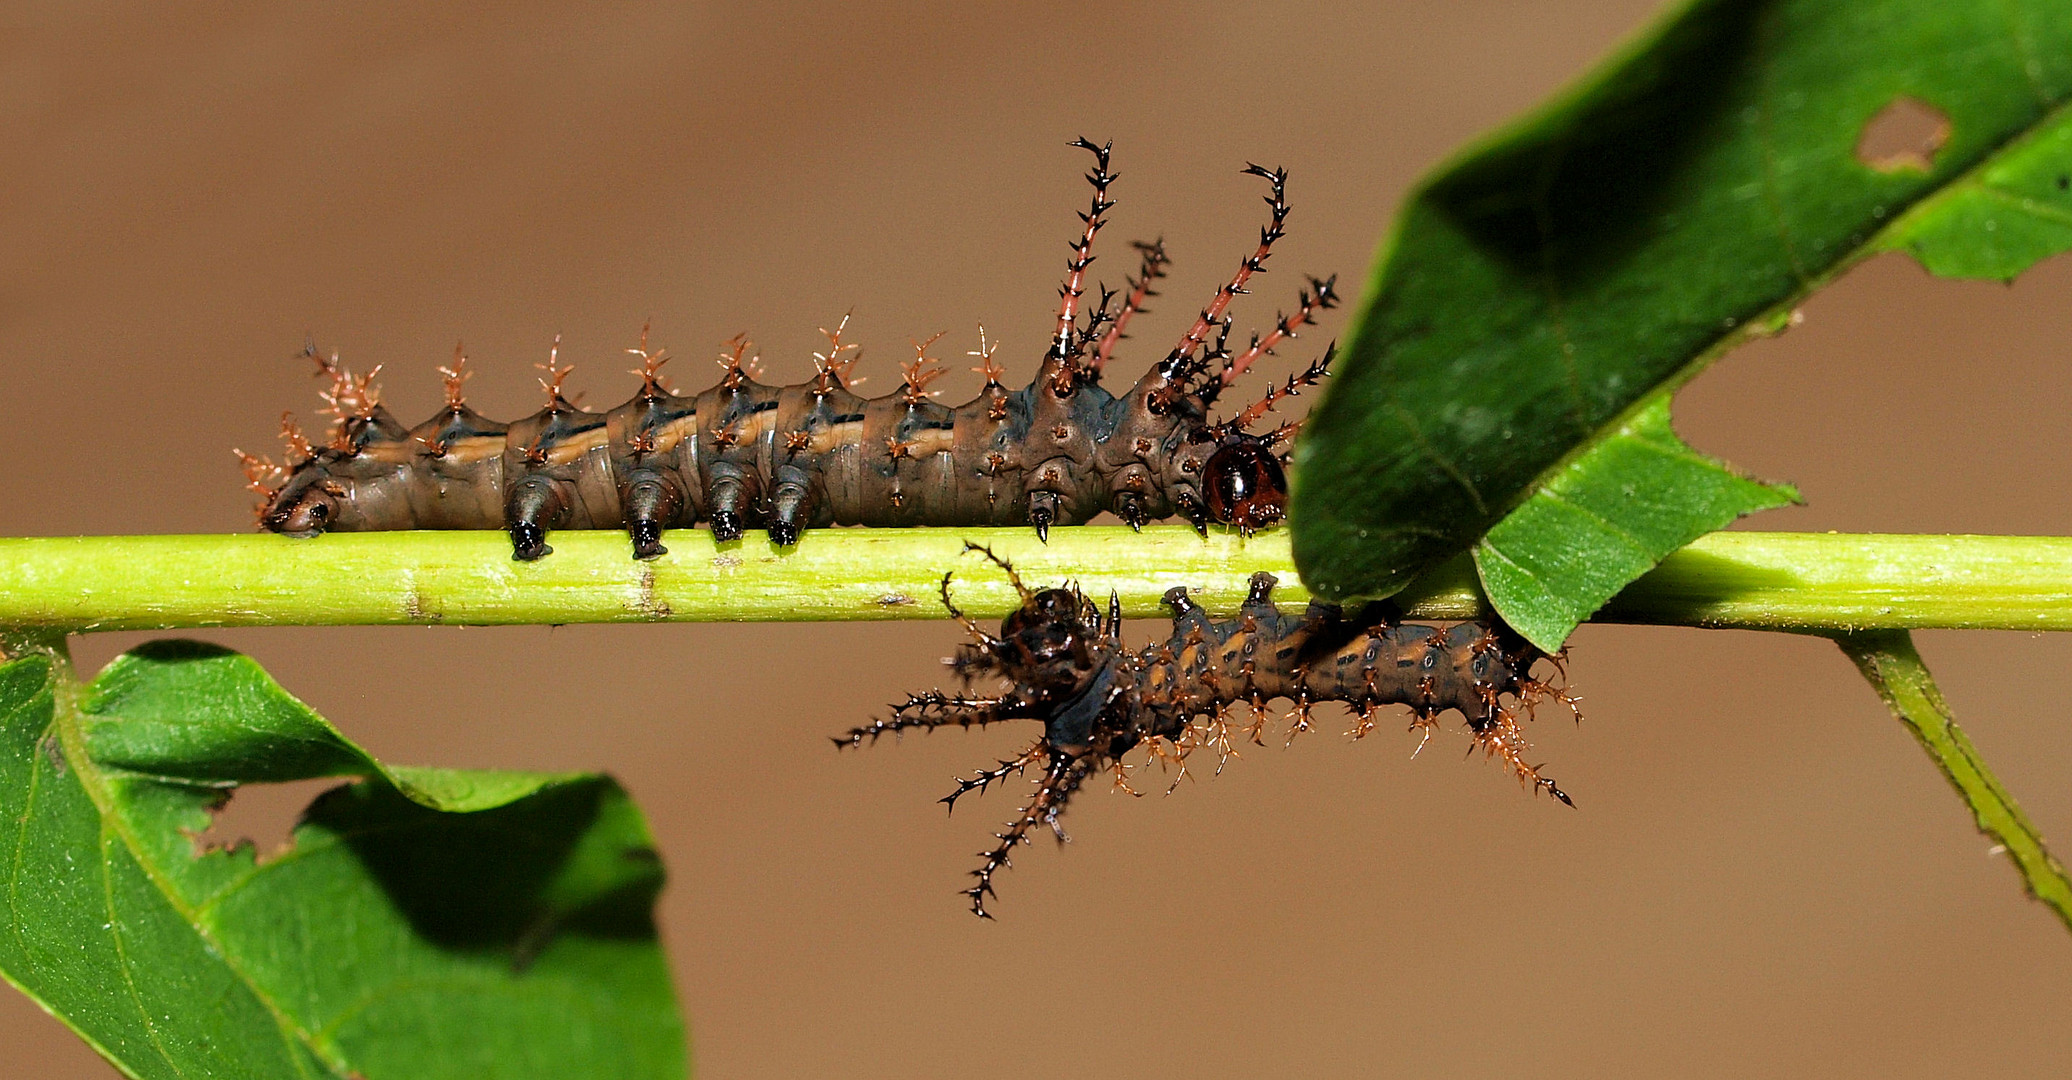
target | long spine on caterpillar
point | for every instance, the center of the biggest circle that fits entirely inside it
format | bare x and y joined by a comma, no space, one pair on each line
1065,667
743,454
1152,266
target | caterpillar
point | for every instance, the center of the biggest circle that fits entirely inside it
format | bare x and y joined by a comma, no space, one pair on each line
786,458
1064,666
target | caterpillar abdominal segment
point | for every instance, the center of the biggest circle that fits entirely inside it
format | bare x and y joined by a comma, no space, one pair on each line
744,454
1064,666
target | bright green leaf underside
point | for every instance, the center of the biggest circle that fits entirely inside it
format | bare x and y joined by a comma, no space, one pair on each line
1603,521
437,924
2004,216
1679,200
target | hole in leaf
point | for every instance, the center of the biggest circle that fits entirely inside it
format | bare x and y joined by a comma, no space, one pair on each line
261,816
1904,136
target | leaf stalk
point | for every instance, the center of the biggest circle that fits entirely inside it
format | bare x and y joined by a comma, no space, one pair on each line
1887,658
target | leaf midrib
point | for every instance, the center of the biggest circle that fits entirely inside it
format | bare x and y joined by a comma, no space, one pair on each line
68,718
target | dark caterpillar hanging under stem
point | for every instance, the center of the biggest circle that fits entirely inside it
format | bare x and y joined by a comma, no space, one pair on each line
1065,666
744,454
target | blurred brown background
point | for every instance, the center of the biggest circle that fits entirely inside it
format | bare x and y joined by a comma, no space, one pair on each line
1766,876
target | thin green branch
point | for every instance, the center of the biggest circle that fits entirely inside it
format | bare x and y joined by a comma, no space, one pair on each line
1887,658
1773,581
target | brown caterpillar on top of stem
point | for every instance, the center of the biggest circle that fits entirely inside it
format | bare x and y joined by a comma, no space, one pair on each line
1064,666
743,454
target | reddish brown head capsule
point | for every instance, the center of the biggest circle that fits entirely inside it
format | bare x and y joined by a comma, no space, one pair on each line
1244,485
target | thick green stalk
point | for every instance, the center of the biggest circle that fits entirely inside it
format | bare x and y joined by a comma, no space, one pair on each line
1887,658
1796,581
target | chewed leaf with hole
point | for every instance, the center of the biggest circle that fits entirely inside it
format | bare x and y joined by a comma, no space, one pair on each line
1546,291
2001,217
1904,135
423,923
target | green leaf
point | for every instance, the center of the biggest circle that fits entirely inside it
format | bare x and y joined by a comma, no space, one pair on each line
1679,200
1601,522
424,922
2000,219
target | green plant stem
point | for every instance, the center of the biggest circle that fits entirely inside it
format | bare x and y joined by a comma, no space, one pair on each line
1771,581
1887,658
1865,591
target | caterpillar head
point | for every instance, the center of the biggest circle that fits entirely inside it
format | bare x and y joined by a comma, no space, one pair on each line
1244,485
1047,645
1231,478
1241,479
305,506
1050,640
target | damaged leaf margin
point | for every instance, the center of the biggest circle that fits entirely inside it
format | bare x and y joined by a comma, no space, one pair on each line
1544,288
425,922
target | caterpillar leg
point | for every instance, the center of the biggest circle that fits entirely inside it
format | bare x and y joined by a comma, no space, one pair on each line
732,503
791,508
1194,510
1129,506
1188,616
1043,512
536,504
653,501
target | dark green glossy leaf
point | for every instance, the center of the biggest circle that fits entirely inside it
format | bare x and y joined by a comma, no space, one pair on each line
424,923
1678,201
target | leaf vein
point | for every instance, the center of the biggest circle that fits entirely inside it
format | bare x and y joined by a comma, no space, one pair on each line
21,842
122,957
1537,581
2024,56
253,872
1772,196
2026,204
70,720
1445,465
1613,527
